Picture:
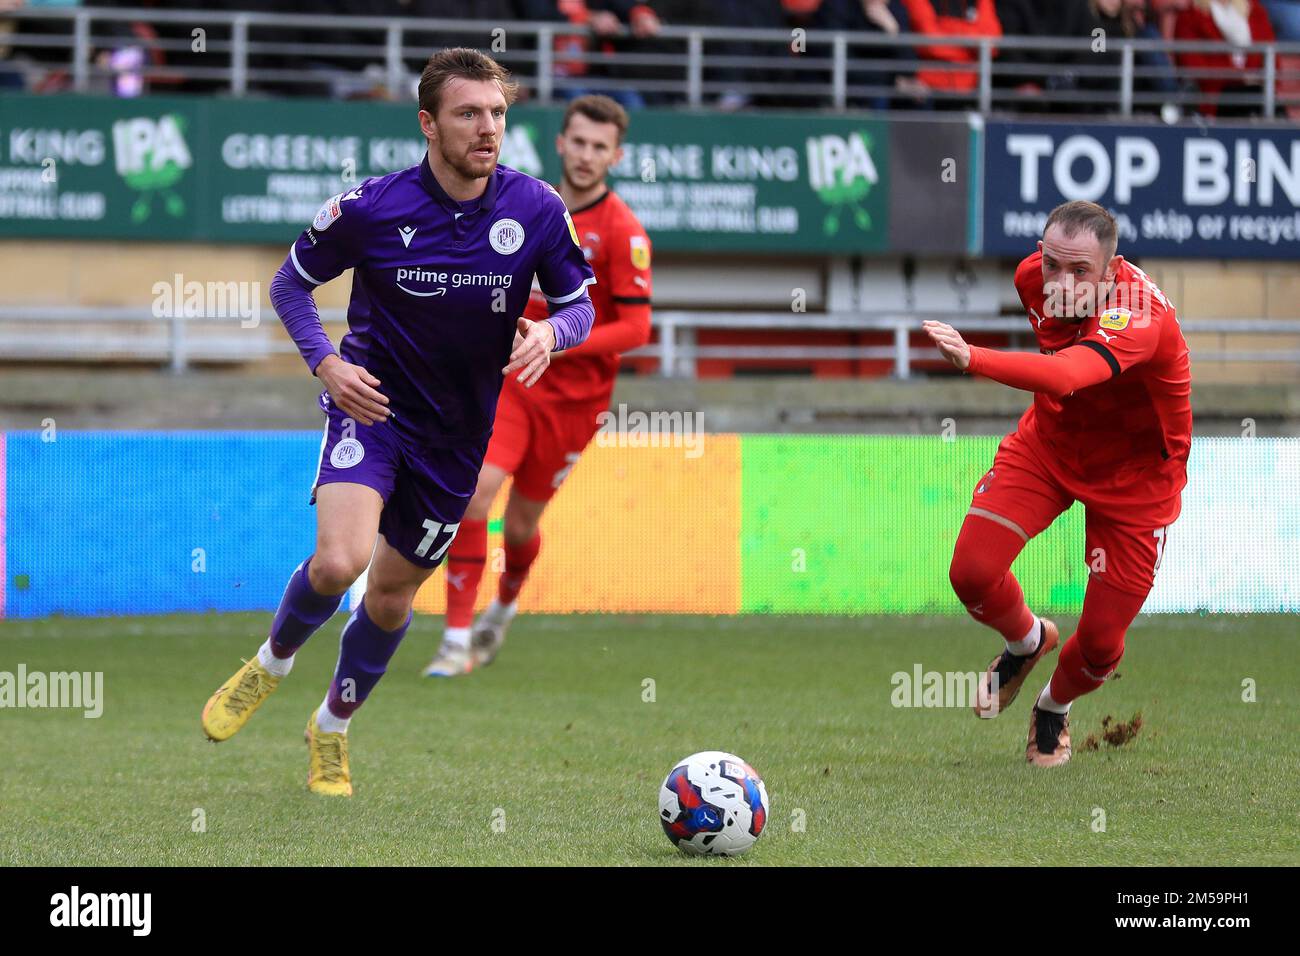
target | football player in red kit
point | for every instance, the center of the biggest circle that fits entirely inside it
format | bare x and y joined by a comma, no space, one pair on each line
1110,426
540,432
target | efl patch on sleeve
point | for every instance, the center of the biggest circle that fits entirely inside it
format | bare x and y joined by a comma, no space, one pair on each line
573,232
328,213
640,252
1115,319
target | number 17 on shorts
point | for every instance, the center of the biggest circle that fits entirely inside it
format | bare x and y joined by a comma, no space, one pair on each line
437,539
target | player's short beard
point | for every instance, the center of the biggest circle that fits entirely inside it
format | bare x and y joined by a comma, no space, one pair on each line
465,166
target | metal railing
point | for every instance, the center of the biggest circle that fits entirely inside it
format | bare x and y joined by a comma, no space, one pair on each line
171,340
246,53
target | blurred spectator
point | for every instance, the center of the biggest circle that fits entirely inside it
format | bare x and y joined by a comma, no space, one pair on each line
318,57
492,14
138,56
1065,74
872,16
801,13
1020,18
677,12
1285,17
747,14
311,70
41,69
797,15
1164,13
970,18
1127,19
131,60
11,73
607,26
630,27
1239,22
186,51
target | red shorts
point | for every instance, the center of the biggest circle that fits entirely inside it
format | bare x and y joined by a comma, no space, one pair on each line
1019,493
539,442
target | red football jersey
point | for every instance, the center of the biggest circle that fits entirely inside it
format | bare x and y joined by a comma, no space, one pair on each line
618,250
1124,442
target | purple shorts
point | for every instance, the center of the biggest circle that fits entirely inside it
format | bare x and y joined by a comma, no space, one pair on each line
425,489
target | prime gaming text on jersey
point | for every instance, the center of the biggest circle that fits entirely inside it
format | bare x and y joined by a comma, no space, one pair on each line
456,279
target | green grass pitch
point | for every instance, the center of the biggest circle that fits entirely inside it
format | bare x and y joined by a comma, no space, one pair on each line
557,745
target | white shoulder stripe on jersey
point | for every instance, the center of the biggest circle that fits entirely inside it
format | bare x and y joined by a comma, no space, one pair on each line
560,300
293,254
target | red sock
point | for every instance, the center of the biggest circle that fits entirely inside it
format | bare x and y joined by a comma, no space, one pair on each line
1094,650
519,558
982,579
465,560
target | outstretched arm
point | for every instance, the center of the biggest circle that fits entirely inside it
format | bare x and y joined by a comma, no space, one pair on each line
1069,370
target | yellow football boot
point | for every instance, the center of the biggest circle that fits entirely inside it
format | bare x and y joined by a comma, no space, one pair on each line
234,702
328,774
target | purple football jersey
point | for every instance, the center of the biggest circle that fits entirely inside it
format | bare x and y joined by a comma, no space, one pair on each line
437,286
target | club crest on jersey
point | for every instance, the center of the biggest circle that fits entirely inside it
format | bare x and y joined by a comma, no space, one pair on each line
506,236
328,213
346,453
1115,319
640,252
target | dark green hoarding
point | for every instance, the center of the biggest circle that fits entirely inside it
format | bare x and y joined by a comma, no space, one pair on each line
256,171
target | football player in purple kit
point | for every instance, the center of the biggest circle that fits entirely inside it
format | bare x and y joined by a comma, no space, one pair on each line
443,257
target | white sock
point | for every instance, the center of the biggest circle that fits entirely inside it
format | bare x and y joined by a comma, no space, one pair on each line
500,613
327,722
277,666
457,637
1045,701
1028,644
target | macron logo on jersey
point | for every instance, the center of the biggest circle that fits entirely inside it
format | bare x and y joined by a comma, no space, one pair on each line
407,233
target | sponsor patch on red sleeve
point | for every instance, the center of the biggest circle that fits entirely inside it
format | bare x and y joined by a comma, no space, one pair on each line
1116,320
